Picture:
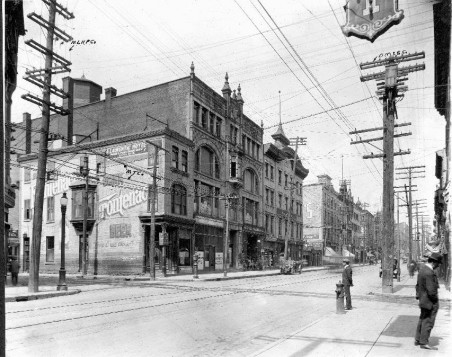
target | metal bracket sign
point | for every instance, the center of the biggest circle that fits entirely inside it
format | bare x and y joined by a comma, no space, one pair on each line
368,19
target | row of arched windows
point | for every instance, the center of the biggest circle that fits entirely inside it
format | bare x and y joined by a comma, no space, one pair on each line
207,163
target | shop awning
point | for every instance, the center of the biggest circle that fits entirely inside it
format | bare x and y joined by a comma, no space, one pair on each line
370,255
329,252
346,253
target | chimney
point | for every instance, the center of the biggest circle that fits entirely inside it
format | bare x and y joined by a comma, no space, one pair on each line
27,120
110,92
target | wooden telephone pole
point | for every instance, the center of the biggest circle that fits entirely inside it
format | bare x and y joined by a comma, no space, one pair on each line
293,141
43,79
391,88
409,171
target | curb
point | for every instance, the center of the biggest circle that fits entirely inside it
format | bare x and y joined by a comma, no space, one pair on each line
40,296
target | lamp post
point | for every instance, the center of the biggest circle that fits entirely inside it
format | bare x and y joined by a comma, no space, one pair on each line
62,282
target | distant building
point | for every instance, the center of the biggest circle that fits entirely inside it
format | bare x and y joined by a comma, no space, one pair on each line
283,197
323,220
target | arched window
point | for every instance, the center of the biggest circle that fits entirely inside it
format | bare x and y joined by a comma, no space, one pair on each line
207,162
251,181
179,200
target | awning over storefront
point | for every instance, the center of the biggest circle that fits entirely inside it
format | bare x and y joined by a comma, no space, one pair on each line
346,253
329,252
370,255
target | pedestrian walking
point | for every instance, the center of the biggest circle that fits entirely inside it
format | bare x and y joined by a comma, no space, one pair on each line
347,280
411,268
427,294
14,271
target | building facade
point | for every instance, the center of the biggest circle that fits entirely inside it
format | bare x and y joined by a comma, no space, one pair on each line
210,160
283,197
324,216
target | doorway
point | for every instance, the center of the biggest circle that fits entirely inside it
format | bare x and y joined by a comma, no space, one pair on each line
26,257
209,258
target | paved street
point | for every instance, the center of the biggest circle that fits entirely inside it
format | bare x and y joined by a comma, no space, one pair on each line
280,315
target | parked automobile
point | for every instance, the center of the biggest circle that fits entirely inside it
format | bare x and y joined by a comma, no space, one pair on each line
395,271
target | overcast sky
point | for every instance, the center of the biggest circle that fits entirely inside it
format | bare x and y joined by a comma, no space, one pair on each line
139,43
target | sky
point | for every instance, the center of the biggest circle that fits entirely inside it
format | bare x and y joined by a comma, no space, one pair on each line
139,44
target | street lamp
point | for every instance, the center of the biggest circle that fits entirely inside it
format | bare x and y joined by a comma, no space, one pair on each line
62,283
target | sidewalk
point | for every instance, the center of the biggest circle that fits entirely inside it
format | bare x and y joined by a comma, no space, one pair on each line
48,282
384,325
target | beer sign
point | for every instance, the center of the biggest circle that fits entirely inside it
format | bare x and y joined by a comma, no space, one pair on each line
368,19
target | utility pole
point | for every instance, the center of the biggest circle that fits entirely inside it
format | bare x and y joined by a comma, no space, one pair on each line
151,207
398,240
388,91
46,84
84,170
293,141
409,171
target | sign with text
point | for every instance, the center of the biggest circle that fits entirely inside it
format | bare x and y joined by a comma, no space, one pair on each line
368,19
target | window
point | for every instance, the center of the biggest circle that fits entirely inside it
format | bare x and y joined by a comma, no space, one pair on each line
184,164
257,151
272,198
218,127
285,180
77,204
272,173
196,109
280,226
27,175
271,225
179,200
233,172
207,162
286,199
212,123
279,177
267,196
280,200
204,118
50,249
27,210
251,182
175,157
50,209
266,170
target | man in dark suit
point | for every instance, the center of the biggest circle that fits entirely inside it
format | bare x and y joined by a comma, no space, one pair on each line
427,294
347,280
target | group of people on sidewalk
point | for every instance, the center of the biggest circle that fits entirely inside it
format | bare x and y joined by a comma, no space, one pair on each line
426,292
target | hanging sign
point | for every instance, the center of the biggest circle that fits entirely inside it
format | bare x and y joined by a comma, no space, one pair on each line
368,19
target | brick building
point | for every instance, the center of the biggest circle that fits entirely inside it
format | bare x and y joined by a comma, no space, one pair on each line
210,150
323,220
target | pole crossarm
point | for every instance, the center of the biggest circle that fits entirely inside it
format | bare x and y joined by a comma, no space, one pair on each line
405,178
410,167
379,128
404,187
60,9
45,51
40,83
392,59
375,156
52,106
379,139
63,36
53,70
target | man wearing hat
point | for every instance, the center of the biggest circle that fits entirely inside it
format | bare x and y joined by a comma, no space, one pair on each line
347,281
427,294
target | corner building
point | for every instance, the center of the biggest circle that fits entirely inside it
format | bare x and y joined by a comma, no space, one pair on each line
210,154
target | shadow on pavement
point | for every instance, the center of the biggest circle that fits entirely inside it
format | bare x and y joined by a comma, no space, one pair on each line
402,326
316,342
